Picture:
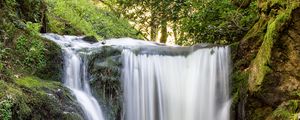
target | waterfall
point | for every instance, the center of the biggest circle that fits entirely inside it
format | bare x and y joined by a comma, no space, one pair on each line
177,87
75,73
159,82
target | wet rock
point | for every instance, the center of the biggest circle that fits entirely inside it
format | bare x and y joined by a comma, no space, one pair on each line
105,72
90,39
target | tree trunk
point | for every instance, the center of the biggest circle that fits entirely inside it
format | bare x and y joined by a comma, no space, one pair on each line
164,32
175,30
153,26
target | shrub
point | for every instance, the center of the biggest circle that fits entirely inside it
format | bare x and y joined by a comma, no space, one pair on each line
30,47
6,109
82,17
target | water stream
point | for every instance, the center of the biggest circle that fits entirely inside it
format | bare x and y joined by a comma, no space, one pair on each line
159,82
75,73
177,87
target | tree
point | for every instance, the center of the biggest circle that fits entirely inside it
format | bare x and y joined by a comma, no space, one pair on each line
150,16
189,22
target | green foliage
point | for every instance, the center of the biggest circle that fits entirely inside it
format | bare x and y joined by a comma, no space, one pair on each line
190,22
286,111
260,65
31,52
33,98
6,109
13,98
31,10
3,53
34,28
30,82
30,47
83,17
216,22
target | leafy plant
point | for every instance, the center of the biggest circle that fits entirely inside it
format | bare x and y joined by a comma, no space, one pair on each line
189,22
31,48
6,109
217,22
82,17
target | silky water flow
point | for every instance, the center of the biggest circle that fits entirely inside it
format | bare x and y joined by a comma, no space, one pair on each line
157,85
75,75
177,87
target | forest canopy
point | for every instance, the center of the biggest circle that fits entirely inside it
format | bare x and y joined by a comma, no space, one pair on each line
188,22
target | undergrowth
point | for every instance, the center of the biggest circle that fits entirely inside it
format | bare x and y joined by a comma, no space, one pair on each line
82,17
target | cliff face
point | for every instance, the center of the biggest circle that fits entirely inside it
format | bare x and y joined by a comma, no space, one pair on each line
266,78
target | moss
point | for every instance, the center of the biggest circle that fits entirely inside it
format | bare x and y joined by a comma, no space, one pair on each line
34,98
286,111
54,62
272,81
233,49
260,65
34,82
18,99
256,29
260,113
239,83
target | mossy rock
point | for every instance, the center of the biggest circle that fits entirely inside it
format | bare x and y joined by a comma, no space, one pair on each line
268,53
54,62
105,73
90,39
288,110
34,98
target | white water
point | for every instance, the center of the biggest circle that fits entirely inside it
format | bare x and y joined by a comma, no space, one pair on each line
164,87
75,73
156,86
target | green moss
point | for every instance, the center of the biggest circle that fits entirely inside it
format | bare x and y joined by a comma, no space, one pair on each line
5,102
54,62
260,113
239,83
259,66
33,98
286,111
34,82
256,29
17,98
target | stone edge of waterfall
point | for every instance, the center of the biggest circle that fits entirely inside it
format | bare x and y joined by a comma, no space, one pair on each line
169,50
138,46
117,42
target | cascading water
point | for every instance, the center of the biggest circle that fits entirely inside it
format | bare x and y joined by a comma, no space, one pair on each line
159,82
174,87
75,73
